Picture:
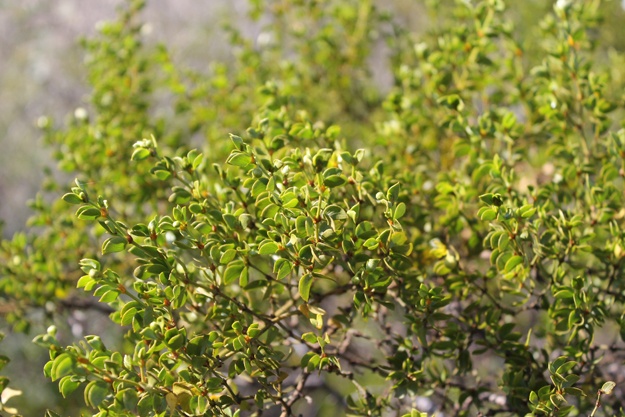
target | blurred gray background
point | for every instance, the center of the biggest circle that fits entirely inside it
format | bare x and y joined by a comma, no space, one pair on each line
41,73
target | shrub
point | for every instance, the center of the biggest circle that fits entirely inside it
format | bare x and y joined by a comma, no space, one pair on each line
454,247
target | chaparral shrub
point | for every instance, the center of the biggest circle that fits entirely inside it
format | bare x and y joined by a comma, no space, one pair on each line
278,236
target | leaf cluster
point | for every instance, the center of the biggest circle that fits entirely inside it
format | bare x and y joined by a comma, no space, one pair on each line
456,242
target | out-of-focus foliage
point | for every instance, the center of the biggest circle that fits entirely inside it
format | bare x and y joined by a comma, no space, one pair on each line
288,239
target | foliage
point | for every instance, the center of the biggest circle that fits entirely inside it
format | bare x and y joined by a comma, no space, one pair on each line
467,259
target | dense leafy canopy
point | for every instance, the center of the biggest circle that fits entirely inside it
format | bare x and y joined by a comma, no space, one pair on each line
287,233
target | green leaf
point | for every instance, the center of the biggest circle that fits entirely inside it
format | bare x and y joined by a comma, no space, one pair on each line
444,187
67,385
333,132
161,174
233,272
109,296
335,212
533,397
371,244
365,230
268,247
140,154
175,342
95,393
555,365
289,200
305,283
128,316
62,365
393,192
114,244
527,211
129,398
452,101
487,198
197,161
565,367
483,170
270,211
282,268
487,214
563,294
492,199
512,263
87,213
237,141
271,184
502,242
239,159
306,358
399,211
72,198
244,277
334,181
309,338
608,387
227,256
313,362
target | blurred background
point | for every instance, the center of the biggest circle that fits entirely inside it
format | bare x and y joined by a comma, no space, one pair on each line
41,73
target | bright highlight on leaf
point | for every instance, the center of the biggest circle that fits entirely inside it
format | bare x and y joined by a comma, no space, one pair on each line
608,387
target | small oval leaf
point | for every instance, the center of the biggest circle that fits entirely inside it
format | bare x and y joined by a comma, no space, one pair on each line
608,387
512,263
268,248
304,286
114,244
